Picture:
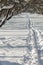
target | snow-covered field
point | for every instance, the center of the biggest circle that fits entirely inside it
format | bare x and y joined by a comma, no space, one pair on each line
21,40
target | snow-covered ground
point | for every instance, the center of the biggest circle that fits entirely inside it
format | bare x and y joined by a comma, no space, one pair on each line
21,40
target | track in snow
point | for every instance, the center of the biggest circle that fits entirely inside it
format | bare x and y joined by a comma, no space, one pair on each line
23,45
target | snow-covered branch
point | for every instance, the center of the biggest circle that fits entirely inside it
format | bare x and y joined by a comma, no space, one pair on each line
6,7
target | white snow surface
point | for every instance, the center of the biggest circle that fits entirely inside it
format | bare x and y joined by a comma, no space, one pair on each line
21,44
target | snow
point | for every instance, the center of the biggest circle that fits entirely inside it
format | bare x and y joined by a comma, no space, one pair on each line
18,43
6,7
